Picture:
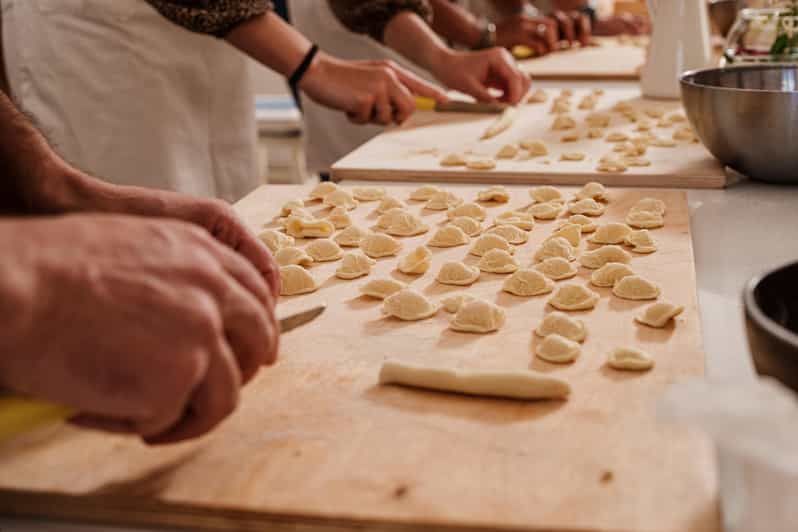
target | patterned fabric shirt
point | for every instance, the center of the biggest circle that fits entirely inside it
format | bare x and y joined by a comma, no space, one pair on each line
215,17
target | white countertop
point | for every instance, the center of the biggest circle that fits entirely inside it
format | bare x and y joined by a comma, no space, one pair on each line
737,233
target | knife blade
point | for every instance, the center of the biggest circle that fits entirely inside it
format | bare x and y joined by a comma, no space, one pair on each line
21,414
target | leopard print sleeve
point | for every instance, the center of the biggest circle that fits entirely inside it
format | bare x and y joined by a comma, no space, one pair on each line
214,17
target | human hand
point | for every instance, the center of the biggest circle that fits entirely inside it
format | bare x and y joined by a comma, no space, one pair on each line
151,325
622,24
538,33
379,92
475,72
573,26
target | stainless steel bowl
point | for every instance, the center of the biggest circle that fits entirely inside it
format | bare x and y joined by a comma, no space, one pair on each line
771,317
747,117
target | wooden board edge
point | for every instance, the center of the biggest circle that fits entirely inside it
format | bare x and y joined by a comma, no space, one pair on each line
116,511
577,76
476,177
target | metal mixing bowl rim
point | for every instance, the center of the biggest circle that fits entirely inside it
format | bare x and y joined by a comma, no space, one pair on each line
684,78
756,314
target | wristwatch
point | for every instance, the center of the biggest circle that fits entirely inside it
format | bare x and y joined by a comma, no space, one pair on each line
487,38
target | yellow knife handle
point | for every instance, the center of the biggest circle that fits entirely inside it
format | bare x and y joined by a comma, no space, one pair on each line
18,415
425,104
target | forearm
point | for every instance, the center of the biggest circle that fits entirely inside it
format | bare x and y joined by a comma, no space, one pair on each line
409,34
455,23
271,42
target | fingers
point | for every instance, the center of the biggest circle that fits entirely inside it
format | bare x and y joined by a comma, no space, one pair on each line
515,82
582,27
362,112
541,34
213,400
419,87
383,111
251,332
565,26
403,103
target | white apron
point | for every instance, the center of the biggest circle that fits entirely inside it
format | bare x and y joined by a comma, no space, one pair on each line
132,98
329,134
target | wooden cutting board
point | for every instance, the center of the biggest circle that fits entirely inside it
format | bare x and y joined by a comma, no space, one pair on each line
610,59
316,444
412,152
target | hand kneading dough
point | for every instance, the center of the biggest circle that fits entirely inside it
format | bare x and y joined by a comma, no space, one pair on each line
339,218
659,314
508,151
478,316
599,257
424,193
292,255
296,280
560,323
497,193
592,190
409,305
416,262
546,194
441,201
368,193
558,349
290,206
387,203
504,384
557,268
324,250
571,232
586,225
641,241
449,236
497,261
555,247
350,237
611,233
406,224
545,211
322,189
625,358
381,288
376,245
275,240
644,219
635,287
469,226
527,283
303,228
452,304
458,274
510,233
354,265
485,243
649,205
609,274
522,220
472,210
574,297
534,148
340,198
453,159
589,207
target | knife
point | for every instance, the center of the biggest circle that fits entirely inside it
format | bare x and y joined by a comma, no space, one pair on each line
20,414
458,106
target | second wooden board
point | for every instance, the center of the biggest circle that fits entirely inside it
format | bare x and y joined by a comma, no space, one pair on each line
413,151
318,445
611,59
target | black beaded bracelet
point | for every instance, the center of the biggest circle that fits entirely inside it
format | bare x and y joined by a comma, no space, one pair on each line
296,76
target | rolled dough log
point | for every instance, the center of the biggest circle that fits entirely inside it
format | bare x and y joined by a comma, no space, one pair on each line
505,384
